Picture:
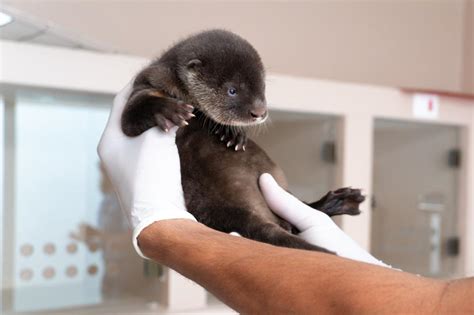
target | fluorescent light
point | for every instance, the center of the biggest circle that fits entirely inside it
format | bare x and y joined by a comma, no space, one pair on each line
5,19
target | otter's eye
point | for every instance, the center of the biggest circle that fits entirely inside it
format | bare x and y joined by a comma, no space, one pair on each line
232,91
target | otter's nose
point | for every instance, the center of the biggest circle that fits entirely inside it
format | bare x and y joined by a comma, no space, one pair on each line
257,113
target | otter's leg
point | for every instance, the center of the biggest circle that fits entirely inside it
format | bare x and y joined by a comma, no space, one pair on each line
341,201
253,227
271,233
147,108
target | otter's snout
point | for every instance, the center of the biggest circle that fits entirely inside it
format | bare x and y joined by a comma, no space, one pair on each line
258,111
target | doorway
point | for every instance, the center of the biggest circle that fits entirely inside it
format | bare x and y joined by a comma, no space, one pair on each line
415,204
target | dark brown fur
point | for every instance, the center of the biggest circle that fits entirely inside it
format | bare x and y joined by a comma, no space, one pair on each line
220,184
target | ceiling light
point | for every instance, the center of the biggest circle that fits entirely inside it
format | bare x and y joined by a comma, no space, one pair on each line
5,19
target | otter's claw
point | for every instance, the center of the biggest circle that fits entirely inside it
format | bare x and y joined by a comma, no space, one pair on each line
232,139
174,112
241,141
341,201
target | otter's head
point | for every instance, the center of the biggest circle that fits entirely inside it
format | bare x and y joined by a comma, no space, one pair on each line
223,73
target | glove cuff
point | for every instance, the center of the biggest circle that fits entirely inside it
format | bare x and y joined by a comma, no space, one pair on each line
151,219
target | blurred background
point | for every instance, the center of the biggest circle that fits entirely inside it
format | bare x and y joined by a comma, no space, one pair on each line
370,94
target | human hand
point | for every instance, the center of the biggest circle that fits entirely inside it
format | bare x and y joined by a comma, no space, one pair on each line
144,171
315,226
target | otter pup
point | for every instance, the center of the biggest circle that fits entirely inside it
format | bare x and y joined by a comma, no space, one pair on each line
222,76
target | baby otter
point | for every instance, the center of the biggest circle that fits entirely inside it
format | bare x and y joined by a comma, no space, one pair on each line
222,76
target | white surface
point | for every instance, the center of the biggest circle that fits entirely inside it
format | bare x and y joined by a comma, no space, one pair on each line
356,139
44,66
131,307
184,294
4,19
426,106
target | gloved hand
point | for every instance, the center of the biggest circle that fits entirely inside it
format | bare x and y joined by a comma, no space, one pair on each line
315,226
144,171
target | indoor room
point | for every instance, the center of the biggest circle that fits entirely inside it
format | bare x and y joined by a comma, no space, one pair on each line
375,97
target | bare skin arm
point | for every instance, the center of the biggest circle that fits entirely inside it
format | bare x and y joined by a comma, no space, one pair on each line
257,278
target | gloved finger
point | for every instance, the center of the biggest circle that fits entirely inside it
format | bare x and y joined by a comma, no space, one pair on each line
287,206
113,134
315,226
120,100
158,163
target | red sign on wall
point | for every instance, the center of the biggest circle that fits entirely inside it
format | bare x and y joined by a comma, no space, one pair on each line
426,106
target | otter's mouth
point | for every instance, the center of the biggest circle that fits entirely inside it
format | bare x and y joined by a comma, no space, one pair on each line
257,115
247,122
251,117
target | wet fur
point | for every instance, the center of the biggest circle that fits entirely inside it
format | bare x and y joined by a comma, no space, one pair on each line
220,184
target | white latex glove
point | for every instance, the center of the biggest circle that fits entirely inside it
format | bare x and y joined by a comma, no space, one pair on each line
144,171
315,226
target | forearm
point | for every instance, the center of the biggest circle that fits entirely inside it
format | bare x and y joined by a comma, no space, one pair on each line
254,277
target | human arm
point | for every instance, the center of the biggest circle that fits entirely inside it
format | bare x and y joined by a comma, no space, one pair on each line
256,278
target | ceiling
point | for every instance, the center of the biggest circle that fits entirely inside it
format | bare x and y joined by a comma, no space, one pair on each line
397,43
24,28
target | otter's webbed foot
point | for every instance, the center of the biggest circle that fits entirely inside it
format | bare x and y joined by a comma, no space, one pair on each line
148,108
175,111
341,201
236,140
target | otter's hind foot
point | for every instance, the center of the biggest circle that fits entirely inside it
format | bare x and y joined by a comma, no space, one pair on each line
341,201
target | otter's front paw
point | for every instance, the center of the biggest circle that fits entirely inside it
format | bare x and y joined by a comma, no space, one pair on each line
232,139
341,201
174,111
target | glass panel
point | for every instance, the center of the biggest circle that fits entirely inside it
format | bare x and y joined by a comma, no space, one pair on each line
69,244
303,145
415,196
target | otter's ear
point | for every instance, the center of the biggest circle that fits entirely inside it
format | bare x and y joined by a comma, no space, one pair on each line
194,64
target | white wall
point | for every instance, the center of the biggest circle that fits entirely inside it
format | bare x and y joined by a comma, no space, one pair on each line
396,43
24,64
